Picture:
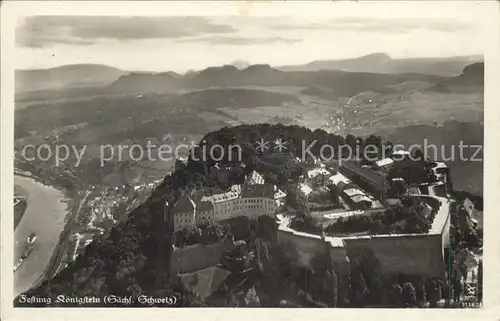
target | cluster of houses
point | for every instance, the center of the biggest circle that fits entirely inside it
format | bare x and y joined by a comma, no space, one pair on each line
251,199
353,197
366,186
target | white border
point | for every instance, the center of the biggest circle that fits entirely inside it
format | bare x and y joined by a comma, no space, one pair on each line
485,11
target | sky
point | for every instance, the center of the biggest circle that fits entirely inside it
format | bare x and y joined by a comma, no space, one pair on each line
181,43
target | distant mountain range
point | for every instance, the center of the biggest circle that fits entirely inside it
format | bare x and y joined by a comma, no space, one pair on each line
383,63
341,83
345,77
69,76
255,75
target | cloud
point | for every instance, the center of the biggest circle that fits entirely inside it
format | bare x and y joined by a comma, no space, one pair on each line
42,31
290,26
240,41
387,25
447,25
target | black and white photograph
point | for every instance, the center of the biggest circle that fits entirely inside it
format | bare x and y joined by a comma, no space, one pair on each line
239,158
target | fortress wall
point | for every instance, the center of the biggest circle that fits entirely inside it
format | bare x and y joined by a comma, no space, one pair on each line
300,247
198,256
303,247
410,254
338,259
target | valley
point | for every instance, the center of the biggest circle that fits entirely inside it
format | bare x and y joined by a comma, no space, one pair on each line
403,109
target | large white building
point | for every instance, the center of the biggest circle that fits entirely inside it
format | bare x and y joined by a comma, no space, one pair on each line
224,204
252,199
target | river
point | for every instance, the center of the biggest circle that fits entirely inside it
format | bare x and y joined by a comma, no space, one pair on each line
45,215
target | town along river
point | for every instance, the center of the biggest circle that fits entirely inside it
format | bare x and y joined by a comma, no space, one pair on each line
45,215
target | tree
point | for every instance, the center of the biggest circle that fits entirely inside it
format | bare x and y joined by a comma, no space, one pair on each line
396,295
457,288
251,298
389,147
359,289
372,147
409,295
433,294
372,272
447,292
431,176
332,287
378,227
418,155
265,251
334,192
232,302
350,140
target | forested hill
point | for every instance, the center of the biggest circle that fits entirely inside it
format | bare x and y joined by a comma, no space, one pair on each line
133,258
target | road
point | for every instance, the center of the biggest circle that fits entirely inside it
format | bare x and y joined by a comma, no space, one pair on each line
350,98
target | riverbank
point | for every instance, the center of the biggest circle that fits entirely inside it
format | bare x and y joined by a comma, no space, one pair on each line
53,227
68,192
20,203
19,210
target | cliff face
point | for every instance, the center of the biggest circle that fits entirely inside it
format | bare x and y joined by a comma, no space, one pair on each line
474,71
472,76
470,80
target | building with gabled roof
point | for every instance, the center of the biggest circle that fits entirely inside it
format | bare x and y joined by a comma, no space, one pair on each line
305,189
400,153
221,197
316,172
468,206
279,196
205,282
353,191
357,198
257,190
254,178
236,188
339,180
384,164
204,212
184,213
318,176
375,180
